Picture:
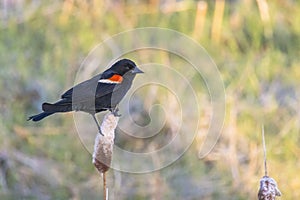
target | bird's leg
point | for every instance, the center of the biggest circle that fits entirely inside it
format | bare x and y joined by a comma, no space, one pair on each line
94,117
115,112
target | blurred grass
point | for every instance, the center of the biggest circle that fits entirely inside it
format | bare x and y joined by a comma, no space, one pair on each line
42,47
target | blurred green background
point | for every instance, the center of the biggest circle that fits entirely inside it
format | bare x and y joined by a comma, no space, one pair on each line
255,44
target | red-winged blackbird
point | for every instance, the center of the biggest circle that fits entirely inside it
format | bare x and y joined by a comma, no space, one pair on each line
100,93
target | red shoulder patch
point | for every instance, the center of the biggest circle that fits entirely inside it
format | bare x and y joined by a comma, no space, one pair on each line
116,78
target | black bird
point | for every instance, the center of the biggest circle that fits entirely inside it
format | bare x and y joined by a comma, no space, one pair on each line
100,93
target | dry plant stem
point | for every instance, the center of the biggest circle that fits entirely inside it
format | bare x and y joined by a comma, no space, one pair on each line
200,19
265,149
217,21
263,10
105,197
265,17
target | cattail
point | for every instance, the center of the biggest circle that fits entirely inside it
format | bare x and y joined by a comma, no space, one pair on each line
103,147
268,189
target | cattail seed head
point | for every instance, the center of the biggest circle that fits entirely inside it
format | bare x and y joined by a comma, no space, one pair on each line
268,189
103,147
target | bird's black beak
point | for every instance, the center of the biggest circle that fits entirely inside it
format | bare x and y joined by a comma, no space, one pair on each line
136,70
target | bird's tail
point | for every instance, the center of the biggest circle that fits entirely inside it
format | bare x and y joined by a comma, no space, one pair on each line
49,109
40,116
60,106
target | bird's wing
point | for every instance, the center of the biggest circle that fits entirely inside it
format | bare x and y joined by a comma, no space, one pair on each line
89,89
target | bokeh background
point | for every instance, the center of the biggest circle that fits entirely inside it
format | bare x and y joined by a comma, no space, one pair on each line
255,44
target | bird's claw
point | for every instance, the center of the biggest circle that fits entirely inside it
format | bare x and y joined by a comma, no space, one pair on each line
100,132
115,112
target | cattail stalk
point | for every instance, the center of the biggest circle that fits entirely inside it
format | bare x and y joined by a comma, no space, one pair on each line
105,189
265,150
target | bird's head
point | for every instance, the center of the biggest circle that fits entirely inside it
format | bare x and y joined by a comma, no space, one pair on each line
122,69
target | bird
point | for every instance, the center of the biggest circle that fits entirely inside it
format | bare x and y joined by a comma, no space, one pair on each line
100,93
